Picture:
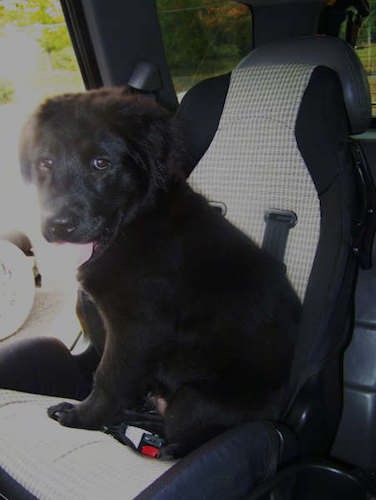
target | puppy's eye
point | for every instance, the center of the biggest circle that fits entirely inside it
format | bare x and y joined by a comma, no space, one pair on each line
45,164
100,163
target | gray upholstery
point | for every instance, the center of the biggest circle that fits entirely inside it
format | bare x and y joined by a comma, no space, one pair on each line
55,462
327,51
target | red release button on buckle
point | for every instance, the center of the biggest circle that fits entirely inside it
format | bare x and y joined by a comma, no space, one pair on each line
150,451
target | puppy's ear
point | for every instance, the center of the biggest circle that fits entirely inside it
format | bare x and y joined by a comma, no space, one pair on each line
151,138
166,151
25,148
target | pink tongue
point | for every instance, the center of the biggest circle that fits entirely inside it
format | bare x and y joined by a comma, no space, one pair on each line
77,253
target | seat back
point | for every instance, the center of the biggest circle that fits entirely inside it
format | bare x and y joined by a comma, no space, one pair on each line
254,164
282,142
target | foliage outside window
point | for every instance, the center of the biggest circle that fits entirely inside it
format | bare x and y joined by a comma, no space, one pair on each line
203,38
6,92
366,50
38,23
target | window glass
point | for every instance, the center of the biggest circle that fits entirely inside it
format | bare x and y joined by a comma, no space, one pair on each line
366,50
37,61
203,38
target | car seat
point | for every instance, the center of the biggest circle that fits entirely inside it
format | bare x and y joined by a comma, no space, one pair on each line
278,142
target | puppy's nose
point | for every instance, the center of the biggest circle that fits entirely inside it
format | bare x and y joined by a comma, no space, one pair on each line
62,227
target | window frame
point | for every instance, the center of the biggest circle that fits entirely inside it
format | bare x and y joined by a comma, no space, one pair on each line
109,40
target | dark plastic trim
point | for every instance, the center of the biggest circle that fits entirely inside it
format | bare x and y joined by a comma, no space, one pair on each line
10,489
336,471
83,48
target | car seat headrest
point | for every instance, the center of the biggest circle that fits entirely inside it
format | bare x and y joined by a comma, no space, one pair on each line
324,51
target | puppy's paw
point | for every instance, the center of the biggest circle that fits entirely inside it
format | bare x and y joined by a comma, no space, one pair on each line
66,414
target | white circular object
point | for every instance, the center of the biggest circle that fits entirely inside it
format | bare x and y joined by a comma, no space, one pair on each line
17,288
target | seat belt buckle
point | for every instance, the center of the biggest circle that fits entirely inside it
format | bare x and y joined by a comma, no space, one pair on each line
150,445
136,438
287,217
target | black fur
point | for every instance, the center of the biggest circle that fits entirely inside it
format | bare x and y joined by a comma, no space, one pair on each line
195,314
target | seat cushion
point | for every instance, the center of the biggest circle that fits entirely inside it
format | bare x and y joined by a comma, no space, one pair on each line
40,459
54,462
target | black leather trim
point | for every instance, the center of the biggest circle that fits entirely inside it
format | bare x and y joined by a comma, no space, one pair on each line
199,113
322,137
322,128
228,466
11,489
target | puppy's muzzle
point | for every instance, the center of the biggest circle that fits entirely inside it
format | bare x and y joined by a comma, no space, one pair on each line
60,228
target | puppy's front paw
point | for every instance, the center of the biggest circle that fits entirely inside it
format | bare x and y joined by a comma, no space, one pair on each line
66,414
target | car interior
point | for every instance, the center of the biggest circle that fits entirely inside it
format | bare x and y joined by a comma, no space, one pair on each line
283,144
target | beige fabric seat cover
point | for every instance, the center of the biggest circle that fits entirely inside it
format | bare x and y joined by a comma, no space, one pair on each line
55,462
254,164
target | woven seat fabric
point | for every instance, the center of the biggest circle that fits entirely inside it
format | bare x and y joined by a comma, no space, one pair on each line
54,462
254,164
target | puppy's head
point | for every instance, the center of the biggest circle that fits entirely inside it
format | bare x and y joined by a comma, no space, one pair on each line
96,158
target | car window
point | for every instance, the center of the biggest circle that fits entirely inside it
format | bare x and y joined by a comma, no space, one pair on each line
37,61
366,50
203,38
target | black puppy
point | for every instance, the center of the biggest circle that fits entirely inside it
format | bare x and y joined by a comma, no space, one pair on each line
196,315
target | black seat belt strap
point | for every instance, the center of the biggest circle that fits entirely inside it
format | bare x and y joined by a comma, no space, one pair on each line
278,224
